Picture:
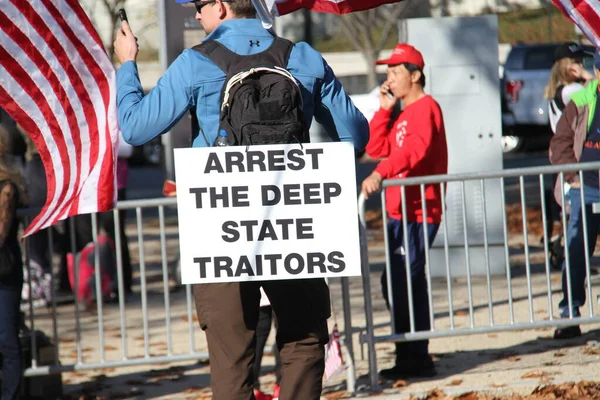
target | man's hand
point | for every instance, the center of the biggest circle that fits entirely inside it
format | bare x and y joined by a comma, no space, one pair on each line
386,98
371,184
126,47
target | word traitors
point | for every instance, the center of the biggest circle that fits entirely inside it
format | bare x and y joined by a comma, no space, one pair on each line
272,265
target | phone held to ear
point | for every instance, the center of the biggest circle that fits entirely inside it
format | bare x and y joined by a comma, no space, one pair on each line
389,95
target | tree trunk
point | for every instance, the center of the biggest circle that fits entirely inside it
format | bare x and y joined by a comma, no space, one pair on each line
371,57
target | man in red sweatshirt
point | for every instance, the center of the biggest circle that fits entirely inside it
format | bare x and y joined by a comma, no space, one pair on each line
415,145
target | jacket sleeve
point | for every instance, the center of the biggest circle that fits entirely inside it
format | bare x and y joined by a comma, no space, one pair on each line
338,114
142,118
561,144
414,148
379,145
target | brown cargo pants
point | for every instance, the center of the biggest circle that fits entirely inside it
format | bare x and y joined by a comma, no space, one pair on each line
228,314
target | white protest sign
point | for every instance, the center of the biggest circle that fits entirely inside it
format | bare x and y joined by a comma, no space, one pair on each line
267,212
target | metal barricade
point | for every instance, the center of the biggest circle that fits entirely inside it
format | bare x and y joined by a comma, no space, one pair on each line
124,332
141,331
491,302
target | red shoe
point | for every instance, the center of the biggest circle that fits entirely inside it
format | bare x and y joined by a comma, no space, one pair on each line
276,392
258,395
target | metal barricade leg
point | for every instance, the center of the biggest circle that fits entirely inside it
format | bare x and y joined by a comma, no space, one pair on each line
348,337
370,334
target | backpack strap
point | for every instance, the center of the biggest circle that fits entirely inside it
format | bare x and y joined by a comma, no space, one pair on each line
558,99
277,54
220,55
281,49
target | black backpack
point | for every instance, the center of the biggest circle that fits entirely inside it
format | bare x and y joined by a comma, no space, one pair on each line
261,102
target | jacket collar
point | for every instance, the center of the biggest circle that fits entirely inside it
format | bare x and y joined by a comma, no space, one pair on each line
239,27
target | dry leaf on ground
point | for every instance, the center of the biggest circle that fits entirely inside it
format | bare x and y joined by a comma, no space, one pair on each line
186,319
336,395
192,390
538,373
591,351
399,384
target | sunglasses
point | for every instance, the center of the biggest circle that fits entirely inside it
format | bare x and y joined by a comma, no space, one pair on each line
200,4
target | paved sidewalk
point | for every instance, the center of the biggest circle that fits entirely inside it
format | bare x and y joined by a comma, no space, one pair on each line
499,362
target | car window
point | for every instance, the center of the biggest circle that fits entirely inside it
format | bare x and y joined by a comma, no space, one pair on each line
514,59
588,63
540,58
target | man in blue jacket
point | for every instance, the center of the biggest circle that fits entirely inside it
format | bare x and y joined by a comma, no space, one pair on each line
228,312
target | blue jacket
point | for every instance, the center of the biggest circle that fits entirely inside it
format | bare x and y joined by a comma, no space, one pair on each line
193,80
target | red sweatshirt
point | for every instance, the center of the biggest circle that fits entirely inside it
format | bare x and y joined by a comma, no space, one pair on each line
415,146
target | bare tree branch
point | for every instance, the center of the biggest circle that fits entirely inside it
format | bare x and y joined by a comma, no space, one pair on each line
397,12
349,31
112,7
369,31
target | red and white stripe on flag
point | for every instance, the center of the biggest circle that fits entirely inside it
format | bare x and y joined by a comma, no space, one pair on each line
585,14
334,362
58,83
329,6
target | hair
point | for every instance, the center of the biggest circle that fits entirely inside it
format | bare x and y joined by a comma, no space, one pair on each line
414,68
559,75
29,145
242,8
9,169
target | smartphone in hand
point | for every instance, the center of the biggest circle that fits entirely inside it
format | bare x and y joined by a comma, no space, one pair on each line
123,15
389,94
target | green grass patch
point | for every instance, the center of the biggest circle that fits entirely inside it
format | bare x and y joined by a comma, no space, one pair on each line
531,26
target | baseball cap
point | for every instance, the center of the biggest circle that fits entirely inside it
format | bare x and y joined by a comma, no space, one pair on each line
597,59
404,53
569,50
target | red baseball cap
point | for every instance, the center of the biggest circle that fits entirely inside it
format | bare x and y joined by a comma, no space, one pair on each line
404,53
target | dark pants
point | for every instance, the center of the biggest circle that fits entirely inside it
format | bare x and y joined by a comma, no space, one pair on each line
576,243
263,328
416,251
228,313
553,209
10,346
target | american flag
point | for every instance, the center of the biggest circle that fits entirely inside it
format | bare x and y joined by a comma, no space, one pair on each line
330,6
334,362
585,14
58,83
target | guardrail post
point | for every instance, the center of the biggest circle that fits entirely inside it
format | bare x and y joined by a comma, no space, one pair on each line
369,336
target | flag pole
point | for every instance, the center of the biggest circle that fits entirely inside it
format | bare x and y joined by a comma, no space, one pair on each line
263,12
